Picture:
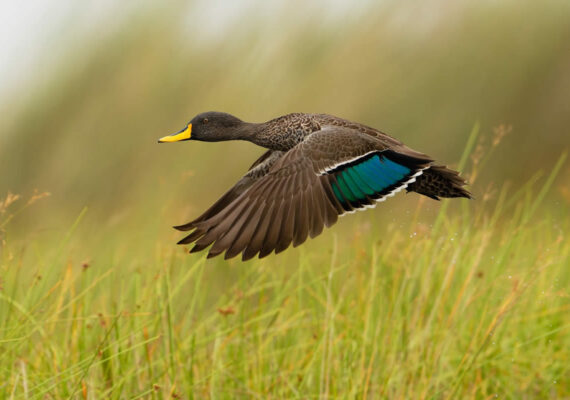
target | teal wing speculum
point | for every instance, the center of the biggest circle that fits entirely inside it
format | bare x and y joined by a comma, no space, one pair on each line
371,178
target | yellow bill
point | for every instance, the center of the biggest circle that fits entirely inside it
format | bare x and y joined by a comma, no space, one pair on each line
184,134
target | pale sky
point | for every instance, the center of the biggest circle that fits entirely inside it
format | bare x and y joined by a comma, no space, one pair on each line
34,30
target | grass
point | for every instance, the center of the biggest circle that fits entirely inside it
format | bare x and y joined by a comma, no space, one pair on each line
474,304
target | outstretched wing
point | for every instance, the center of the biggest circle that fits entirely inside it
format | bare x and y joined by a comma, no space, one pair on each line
332,172
258,169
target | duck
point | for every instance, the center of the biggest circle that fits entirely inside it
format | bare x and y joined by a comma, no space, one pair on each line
317,167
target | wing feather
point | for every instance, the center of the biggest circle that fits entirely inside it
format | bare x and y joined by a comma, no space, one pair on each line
274,229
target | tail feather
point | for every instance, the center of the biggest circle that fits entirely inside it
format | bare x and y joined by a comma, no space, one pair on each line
438,181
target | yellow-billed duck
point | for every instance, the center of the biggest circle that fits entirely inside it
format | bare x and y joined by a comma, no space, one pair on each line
317,167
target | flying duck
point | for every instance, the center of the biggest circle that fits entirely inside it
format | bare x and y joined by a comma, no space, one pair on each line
317,167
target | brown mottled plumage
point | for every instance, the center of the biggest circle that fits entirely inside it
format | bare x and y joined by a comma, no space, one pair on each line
317,167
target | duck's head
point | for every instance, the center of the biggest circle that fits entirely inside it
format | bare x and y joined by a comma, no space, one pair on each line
211,126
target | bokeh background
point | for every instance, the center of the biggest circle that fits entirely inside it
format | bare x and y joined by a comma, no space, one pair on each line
87,89
414,299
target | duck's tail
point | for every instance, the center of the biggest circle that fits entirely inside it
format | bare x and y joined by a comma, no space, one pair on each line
438,181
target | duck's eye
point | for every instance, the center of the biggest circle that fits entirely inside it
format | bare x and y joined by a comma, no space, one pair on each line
205,121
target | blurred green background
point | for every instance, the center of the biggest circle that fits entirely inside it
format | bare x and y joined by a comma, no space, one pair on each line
83,123
414,299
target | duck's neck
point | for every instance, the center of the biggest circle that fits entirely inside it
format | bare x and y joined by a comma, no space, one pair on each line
247,131
272,134
258,134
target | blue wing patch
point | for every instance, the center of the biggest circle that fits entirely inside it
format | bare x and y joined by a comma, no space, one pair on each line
368,177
